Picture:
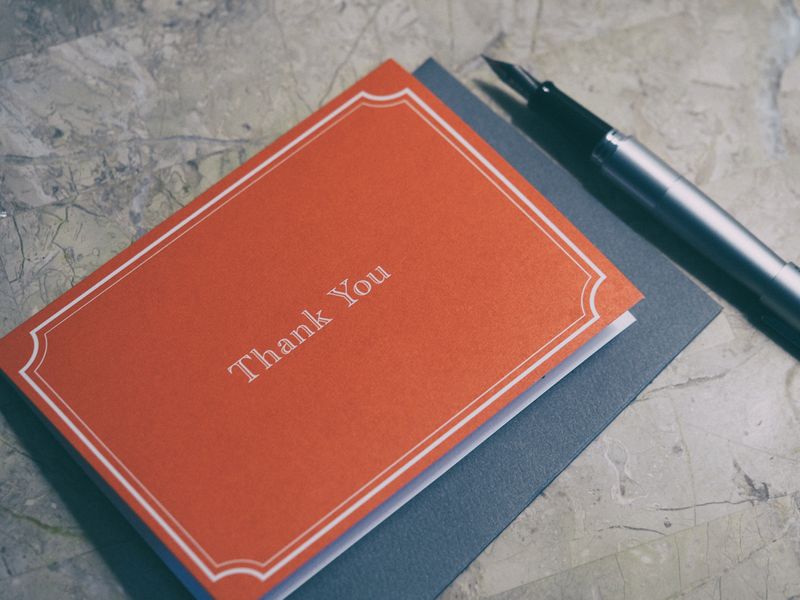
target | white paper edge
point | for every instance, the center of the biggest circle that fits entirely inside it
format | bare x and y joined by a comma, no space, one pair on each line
365,525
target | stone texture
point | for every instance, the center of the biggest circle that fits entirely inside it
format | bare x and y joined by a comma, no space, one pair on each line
34,26
751,553
114,113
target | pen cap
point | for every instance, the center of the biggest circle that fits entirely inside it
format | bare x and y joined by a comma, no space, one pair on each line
581,128
784,295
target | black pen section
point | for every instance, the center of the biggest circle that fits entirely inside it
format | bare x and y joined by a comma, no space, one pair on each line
581,129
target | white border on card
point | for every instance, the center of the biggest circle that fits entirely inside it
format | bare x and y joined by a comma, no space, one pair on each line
264,569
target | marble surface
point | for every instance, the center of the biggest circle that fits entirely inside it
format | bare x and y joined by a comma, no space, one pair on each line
113,113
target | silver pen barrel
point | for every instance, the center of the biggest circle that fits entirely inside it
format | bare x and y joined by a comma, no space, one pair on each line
701,222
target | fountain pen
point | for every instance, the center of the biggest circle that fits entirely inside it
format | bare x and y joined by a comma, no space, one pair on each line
673,200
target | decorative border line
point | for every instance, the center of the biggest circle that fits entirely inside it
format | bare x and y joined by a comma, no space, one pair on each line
349,505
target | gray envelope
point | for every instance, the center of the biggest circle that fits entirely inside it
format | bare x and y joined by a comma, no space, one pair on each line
422,547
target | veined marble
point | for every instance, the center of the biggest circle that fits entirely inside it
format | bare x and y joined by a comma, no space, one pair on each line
114,113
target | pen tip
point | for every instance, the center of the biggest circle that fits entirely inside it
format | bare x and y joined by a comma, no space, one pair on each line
496,65
513,75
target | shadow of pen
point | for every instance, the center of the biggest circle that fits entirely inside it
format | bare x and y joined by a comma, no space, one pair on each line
550,139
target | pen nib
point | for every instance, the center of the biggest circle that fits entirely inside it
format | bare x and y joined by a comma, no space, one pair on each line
514,76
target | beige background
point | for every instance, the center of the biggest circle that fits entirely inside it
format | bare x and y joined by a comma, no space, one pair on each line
113,113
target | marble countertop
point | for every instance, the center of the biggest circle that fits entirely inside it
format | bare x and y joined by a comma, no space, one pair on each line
114,113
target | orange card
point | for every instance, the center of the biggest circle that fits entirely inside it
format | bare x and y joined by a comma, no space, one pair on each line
262,371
